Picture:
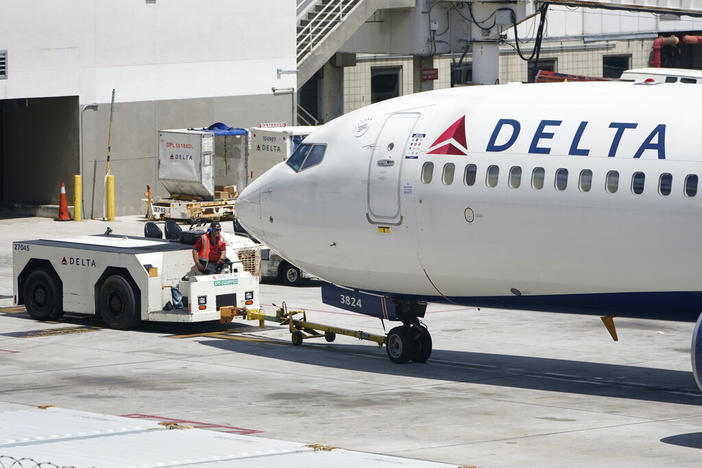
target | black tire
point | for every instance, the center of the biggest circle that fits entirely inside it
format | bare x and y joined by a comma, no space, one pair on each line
289,274
422,344
43,295
329,336
400,344
117,303
296,338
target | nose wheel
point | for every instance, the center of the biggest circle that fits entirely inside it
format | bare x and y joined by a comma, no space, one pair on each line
409,343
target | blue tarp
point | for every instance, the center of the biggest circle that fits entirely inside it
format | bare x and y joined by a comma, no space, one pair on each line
223,129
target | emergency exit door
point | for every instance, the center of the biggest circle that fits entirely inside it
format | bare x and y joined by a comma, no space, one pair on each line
385,165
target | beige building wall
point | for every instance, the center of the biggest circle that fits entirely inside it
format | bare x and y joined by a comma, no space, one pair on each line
572,57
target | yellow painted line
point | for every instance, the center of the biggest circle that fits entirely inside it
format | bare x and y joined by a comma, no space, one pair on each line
193,335
54,332
247,338
14,310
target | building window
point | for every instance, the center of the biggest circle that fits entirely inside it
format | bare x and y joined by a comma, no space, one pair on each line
612,181
427,172
385,83
585,181
691,185
665,183
471,171
637,182
515,177
461,74
447,177
537,178
614,65
493,173
549,64
561,179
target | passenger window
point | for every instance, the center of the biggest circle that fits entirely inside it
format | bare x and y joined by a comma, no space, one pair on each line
469,177
449,169
637,182
612,181
298,157
561,179
314,157
691,185
515,176
537,178
671,79
665,183
493,173
427,172
585,182
688,80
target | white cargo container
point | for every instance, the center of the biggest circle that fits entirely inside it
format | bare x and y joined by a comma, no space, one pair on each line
269,146
192,162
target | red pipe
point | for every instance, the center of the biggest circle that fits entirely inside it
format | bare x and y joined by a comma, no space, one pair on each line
687,39
658,44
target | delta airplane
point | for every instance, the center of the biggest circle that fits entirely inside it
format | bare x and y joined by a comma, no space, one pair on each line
565,197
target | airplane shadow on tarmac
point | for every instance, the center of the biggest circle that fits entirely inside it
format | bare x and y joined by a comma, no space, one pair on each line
533,373
691,440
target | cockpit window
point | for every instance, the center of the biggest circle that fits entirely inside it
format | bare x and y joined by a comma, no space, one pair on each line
306,155
314,157
298,157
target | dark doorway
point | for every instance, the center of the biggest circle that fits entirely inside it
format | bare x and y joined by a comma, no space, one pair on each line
39,148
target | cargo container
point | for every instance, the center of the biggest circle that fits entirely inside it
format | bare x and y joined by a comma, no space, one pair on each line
269,146
193,162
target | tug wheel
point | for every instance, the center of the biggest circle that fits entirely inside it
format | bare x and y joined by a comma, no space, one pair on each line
117,303
43,297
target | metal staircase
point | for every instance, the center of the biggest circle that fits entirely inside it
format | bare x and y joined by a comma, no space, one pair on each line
325,25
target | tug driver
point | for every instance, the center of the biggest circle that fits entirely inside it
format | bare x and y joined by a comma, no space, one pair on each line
210,250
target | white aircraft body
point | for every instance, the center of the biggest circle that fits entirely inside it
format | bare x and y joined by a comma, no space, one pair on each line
565,197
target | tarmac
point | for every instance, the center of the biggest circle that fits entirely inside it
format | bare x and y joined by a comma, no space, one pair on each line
503,388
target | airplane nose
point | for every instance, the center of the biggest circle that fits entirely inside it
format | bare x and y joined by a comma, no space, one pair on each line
248,210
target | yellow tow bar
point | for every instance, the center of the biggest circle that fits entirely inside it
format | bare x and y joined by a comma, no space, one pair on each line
296,320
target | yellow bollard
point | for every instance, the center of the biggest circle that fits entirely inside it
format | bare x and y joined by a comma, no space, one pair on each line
77,199
110,197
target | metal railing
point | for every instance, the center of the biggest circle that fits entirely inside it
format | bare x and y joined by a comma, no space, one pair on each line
305,117
319,26
301,6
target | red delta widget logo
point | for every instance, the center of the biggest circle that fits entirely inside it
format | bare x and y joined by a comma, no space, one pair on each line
452,141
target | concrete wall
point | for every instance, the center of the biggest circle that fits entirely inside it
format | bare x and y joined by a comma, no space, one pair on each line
135,140
42,137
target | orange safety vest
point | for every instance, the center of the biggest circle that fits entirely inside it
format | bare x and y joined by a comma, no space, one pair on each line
204,252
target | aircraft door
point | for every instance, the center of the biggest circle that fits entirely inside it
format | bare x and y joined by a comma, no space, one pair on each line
384,170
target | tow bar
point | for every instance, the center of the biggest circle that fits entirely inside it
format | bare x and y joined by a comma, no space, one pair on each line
296,320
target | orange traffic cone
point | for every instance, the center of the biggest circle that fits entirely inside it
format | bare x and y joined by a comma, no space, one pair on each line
63,205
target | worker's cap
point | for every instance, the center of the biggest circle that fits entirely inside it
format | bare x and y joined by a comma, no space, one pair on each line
216,226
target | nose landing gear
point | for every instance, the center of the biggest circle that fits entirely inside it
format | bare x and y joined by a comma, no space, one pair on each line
409,343
412,340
